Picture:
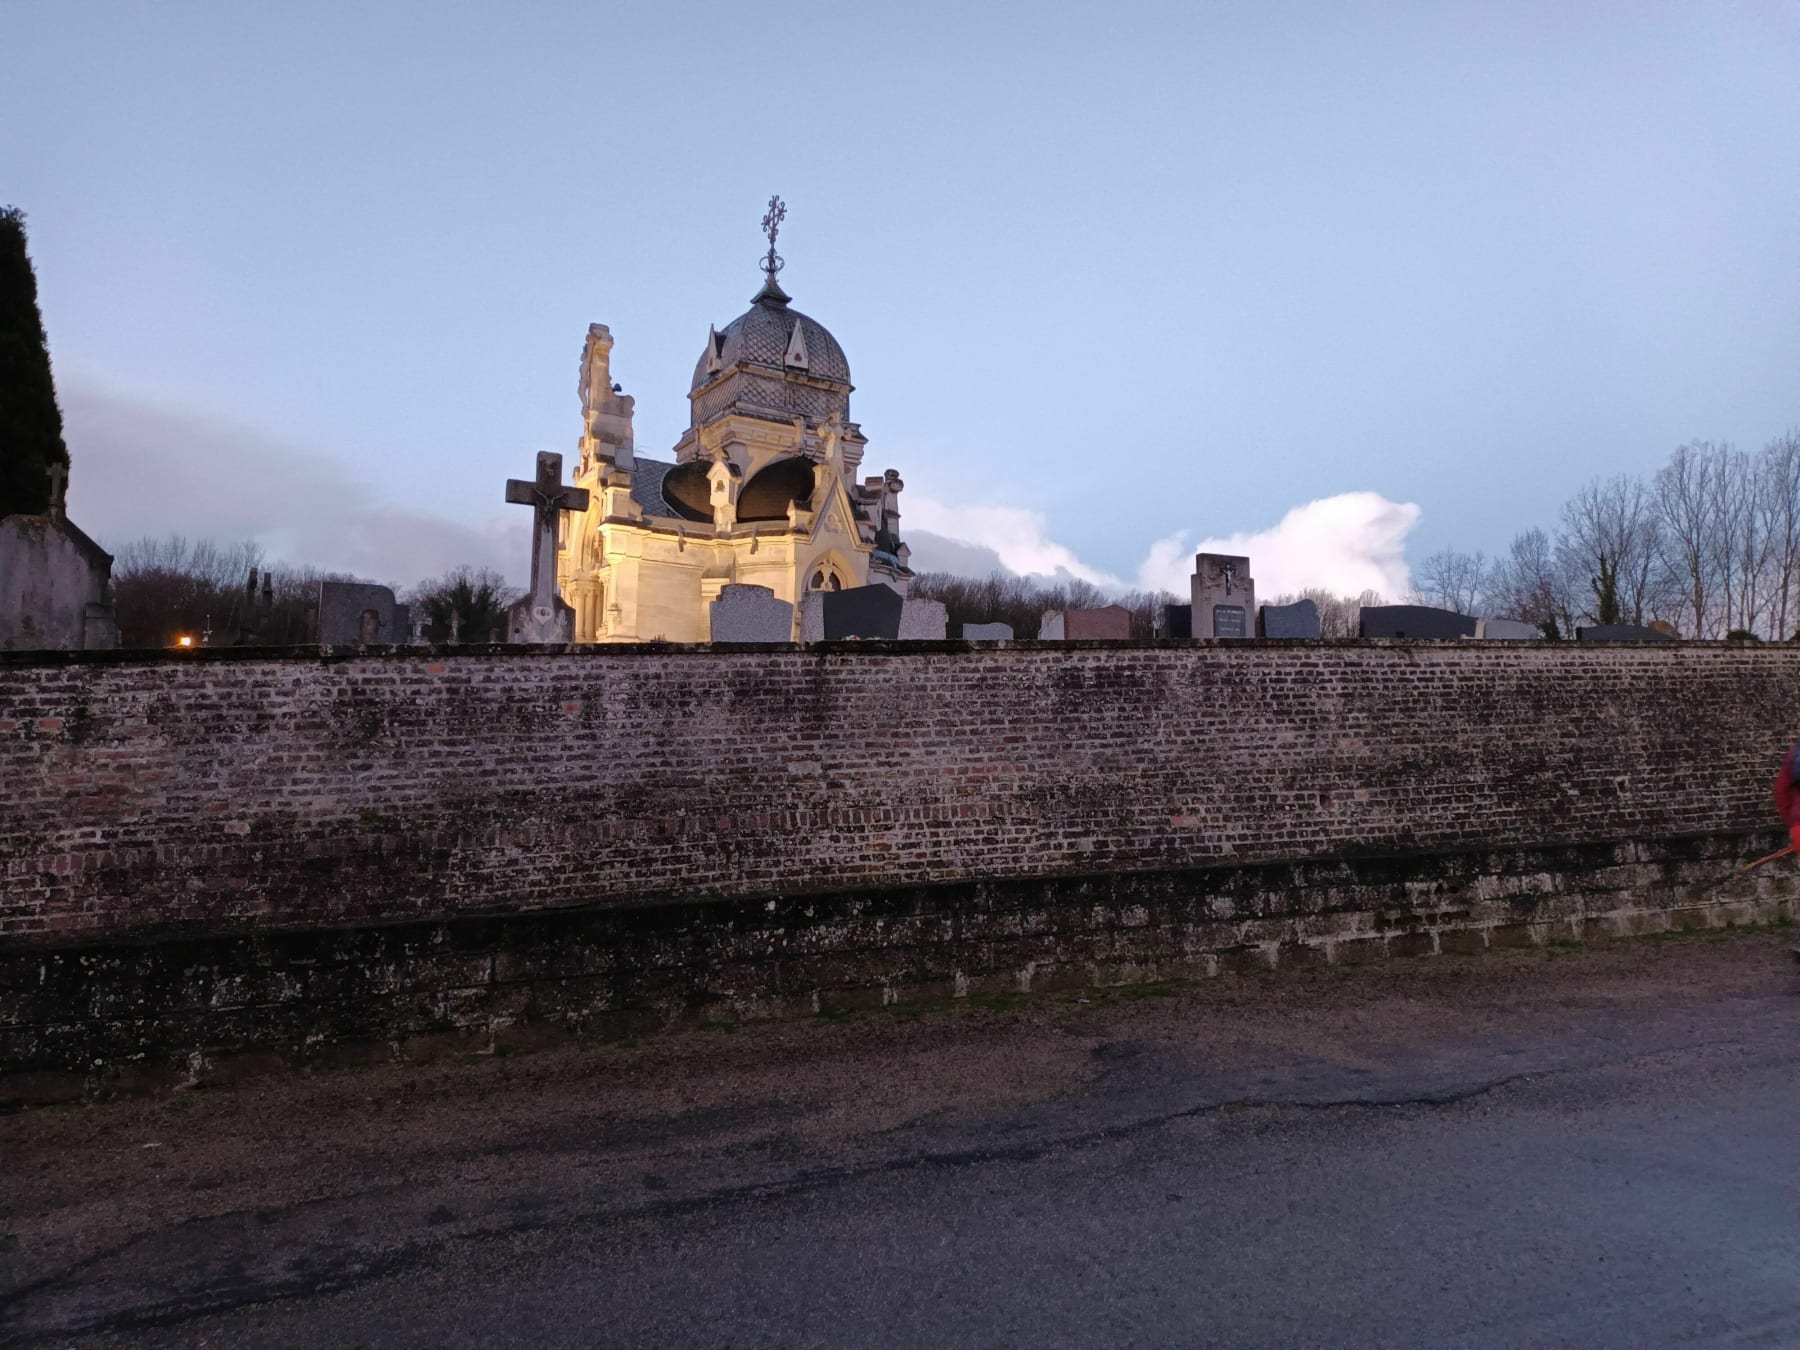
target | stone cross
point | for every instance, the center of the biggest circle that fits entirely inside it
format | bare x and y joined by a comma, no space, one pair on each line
537,617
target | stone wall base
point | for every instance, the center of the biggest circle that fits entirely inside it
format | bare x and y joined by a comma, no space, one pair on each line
123,1017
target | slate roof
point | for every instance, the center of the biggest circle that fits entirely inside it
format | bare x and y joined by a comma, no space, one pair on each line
761,334
646,486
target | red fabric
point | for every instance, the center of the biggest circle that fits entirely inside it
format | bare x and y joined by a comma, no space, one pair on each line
1787,801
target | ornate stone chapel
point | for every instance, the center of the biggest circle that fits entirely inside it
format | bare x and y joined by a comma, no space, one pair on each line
763,489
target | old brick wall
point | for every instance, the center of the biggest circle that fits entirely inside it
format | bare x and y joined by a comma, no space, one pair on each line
226,792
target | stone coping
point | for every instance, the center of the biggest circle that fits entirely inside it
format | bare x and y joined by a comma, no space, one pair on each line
876,647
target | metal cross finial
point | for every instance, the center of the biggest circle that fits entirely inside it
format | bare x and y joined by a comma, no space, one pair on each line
771,224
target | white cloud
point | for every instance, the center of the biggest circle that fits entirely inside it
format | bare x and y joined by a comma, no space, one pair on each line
139,467
976,540
1350,543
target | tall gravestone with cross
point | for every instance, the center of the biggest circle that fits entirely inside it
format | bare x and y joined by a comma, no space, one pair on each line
1223,595
542,616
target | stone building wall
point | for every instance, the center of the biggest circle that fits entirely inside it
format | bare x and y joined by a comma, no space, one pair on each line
55,589
219,793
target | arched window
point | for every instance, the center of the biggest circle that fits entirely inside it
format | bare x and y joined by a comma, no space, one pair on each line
825,578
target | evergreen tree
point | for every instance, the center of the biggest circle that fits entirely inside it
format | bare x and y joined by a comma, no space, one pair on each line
478,599
1606,592
31,439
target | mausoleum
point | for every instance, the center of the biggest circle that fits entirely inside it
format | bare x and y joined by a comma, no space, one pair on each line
763,489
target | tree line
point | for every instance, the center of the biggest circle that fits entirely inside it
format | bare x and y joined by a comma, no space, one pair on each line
1709,544
227,595
1021,602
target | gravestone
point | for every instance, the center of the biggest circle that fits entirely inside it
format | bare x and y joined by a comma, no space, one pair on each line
987,632
542,616
1511,630
751,614
1175,621
1224,596
812,617
1298,620
1111,624
1414,621
352,612
1620,632
924,620
862,612
1050,627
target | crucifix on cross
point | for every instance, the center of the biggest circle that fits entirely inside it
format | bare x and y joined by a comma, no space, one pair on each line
543,608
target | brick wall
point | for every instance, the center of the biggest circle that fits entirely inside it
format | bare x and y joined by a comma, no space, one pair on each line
224,792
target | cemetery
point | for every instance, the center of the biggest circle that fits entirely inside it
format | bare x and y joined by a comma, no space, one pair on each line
1178,729
817,799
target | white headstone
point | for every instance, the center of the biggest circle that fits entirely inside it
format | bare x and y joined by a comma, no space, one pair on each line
1050,628
924,621
1511,629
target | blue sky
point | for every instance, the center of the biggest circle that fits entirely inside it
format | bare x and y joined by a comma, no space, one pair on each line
1108,276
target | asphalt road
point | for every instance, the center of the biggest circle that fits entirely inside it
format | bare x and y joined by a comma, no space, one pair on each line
1570,1148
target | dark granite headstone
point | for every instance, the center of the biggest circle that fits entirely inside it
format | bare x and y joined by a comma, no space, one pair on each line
351,611
1177,621
1230,621
1414,621
1620,632
862,612
1298,620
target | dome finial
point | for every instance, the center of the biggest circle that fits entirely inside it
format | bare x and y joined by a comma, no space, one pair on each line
771,264
771,224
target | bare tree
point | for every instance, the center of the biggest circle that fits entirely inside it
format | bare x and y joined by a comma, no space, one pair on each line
1687,506
1452,579
1610,538
1003,597
167,589
1531,584
1780,504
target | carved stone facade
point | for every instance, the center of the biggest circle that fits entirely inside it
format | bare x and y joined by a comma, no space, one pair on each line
762,491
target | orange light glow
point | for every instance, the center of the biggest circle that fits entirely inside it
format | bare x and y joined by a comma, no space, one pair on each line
184,641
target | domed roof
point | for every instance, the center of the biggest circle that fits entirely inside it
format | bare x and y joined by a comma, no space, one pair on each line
765,335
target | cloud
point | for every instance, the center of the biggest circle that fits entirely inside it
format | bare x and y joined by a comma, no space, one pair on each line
1349,543
140,467
977,540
